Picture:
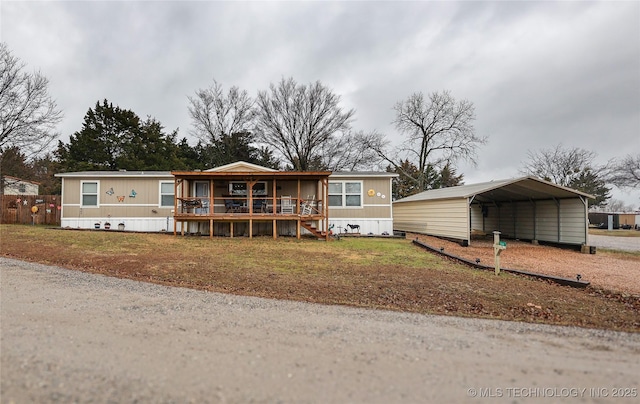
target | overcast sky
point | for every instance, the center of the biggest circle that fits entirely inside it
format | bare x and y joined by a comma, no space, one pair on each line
538,73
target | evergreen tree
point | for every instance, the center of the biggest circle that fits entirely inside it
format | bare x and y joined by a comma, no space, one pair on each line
115,139
448,178
406,185
14,163
589,182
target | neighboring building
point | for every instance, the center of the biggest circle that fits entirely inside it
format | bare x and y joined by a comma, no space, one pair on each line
216,201
618,220
523,208
17,186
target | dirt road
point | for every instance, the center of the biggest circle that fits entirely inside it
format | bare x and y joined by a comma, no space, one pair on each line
68,336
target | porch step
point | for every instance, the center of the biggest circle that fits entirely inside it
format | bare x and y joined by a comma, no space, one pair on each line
309,226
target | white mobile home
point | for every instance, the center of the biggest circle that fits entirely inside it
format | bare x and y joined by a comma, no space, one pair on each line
523,208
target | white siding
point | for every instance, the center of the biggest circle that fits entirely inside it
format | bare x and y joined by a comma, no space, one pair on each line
444,218
144,224
374,226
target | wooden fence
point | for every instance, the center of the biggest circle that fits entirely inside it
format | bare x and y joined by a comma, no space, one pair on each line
31,209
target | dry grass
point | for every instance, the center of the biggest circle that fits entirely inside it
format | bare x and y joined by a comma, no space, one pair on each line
375,273
615,233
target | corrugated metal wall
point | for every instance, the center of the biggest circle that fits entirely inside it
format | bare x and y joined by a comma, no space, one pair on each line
558,221
444,218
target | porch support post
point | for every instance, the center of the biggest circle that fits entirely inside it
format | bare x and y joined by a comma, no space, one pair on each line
275,228
175,205
325,207
211,228
250,185
250,228
298,228
275,200
231,229
298,205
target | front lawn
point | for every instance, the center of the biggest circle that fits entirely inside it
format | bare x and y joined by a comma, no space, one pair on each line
375,273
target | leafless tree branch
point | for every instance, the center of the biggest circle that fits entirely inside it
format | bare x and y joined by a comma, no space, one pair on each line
28,115
215,114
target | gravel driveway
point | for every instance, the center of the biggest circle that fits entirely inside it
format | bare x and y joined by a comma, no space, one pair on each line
68,336
616,243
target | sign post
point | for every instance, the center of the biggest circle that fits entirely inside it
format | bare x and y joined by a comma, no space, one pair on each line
498,246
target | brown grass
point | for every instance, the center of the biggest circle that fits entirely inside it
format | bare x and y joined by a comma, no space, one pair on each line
364,272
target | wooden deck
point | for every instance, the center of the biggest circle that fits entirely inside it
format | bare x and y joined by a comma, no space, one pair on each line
305,214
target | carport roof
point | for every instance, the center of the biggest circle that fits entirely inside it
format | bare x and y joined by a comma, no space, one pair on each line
514,189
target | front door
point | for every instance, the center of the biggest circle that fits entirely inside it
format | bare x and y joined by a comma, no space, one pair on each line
202,191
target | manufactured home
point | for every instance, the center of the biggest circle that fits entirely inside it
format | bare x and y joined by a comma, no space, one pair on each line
238,199
18,186
524,208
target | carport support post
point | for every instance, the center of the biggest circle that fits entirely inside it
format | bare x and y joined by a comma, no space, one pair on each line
497,249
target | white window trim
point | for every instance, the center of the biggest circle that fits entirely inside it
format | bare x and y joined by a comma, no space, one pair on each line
160,194
344,194
97,205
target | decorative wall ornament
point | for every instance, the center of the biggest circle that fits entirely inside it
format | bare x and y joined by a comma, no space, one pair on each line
110,191
133,193
371,192
120,198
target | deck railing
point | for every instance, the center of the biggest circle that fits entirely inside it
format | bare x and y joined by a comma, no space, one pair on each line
243,206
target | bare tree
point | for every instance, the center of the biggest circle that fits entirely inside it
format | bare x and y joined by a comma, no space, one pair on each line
28,115
439,132
216,115
574,168
297,120
615,205
625,173
559,165
348,153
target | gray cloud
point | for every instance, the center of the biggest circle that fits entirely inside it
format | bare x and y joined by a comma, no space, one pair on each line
539,73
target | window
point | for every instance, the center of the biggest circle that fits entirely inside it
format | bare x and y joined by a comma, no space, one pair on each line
240,188
345,194
89,194
166,194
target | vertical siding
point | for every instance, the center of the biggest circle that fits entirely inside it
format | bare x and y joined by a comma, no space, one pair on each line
525,223
492,221
477,221
573,221
507,219
547,220
444,218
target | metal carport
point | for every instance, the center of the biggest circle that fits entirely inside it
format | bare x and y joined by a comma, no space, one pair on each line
525,208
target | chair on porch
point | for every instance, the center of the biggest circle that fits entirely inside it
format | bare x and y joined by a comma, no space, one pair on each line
307,205
286,206
232,206
259,206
